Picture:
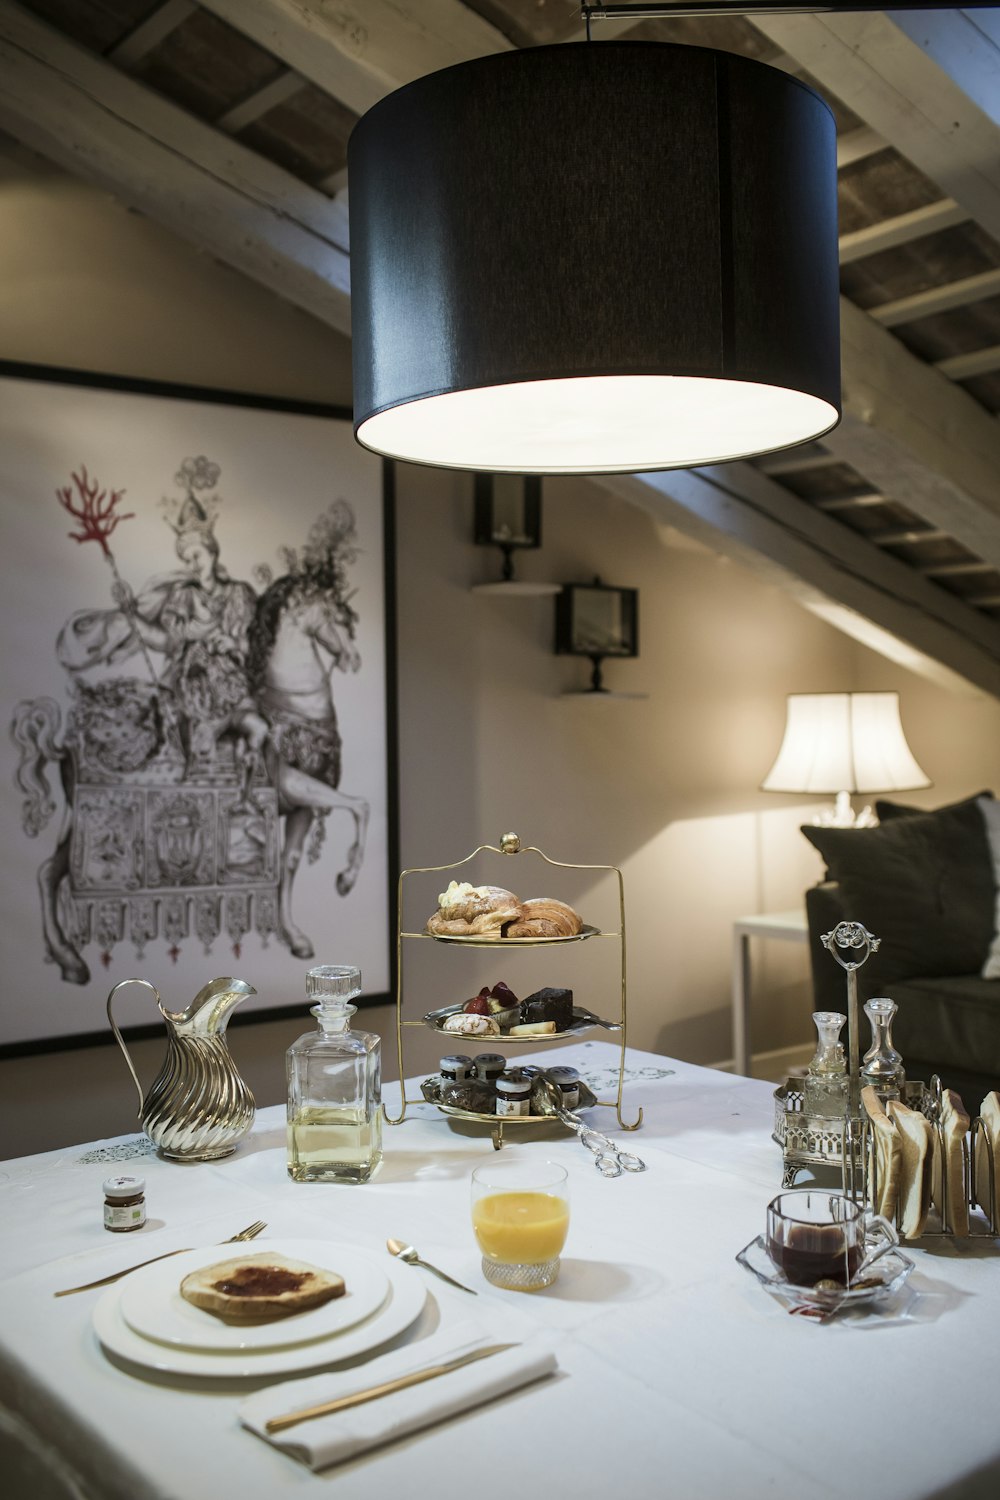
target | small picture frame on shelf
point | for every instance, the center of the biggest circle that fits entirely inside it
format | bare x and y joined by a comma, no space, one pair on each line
597,620
508,511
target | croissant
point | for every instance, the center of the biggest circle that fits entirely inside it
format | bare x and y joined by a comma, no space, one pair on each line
544,917
489,925
439,926
473,911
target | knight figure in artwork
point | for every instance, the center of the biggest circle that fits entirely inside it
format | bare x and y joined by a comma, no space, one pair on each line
200,747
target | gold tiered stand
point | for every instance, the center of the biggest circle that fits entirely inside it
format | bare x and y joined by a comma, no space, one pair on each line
509,848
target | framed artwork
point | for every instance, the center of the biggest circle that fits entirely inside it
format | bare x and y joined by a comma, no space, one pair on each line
198,677
596,620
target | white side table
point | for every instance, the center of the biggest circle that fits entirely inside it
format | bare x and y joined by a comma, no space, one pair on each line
791,927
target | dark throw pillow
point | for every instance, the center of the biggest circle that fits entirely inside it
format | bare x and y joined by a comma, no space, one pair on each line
923,883
886,811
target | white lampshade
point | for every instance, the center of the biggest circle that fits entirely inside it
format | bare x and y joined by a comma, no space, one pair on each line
844,742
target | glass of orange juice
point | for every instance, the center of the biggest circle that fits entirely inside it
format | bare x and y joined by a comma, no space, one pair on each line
520,1216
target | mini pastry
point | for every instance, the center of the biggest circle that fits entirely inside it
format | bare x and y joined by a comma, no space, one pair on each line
543,917
469,1025
550,1005
473,911
260,1286
533,1028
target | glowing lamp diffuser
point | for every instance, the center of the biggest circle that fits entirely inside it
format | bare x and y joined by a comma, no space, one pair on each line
595,258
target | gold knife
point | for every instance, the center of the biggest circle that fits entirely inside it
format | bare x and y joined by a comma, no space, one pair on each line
357,1398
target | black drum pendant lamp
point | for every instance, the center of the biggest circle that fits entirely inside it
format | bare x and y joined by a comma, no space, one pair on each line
599,258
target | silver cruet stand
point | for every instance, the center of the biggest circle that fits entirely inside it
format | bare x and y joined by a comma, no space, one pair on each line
810,1140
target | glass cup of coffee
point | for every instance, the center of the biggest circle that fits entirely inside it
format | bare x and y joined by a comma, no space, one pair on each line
815,1236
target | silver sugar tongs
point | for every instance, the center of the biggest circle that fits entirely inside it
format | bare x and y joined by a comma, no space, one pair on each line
608,1159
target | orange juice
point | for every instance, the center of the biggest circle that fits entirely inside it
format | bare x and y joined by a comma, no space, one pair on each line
521,1228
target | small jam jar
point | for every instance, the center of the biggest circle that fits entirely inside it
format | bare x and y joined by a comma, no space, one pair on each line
567,1080
489,1065
124,1204
513,1094
456,1068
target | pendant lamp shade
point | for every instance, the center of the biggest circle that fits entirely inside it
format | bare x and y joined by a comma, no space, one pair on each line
601,258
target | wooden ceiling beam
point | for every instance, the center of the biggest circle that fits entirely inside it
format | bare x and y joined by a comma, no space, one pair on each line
278,91
856,145
835,573
98,123
963,44
938,299
150,33
904,93
796,462
907,537
975,362
957,570
917,437
360,53
889,234
834,503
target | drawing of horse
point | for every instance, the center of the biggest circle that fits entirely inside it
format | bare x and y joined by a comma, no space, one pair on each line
302,632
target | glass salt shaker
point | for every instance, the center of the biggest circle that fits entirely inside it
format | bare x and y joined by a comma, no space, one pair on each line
826,1090
882,1065
334,1087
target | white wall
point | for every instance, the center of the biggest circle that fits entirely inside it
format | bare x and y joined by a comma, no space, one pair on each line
665,786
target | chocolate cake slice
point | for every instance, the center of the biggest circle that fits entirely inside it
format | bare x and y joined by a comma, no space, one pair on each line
549,1005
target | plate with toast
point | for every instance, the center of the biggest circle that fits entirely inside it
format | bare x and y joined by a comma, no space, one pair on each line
146,1321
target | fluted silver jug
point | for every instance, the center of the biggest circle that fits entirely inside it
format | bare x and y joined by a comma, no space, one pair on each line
198,1107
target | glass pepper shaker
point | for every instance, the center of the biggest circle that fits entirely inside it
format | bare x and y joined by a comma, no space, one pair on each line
334,1087
882,1065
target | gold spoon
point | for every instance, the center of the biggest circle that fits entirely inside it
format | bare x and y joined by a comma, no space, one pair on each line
407,1253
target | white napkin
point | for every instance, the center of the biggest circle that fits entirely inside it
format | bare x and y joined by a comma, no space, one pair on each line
322,1441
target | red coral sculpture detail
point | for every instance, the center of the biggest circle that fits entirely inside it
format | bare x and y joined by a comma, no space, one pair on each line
95,510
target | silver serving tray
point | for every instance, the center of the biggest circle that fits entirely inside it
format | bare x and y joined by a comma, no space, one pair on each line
478,940
504,1120
583,1020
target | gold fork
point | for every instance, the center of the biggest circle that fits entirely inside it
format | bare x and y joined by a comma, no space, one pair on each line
251,1232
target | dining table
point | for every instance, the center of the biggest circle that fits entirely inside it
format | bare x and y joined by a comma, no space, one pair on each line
677,1372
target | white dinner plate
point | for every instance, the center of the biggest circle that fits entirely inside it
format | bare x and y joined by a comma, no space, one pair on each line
403,1305
152,1305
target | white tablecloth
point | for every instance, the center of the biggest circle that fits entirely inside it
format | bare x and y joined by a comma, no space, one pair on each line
679,1376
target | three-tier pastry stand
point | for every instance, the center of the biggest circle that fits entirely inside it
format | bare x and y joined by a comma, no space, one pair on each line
509,848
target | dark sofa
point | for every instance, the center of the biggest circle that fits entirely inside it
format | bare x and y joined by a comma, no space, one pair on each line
924,883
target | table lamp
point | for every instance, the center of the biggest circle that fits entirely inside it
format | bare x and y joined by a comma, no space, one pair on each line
843,743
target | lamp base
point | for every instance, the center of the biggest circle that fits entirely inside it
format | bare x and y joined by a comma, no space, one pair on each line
842,815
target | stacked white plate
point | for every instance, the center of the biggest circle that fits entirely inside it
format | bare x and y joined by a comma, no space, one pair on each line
144,1318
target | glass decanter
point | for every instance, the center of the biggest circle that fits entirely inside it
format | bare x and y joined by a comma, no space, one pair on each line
825,1091
882,1065
334,1087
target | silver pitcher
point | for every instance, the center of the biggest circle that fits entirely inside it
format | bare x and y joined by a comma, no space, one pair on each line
198,1107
